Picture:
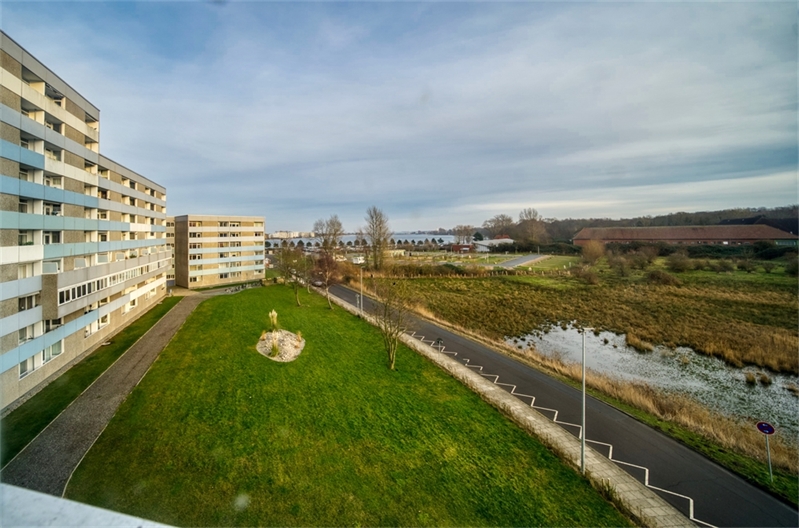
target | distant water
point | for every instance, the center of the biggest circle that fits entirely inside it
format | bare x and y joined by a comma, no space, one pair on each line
705,379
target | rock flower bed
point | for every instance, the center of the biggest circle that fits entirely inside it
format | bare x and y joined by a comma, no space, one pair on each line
281,345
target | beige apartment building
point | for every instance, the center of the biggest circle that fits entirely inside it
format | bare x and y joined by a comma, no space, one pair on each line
218,250
82,246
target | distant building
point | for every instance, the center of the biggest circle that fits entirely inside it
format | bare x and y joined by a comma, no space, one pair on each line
485,246
217,250
714,235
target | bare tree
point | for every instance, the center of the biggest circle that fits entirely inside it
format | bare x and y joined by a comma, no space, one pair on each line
326,271
498,225
532,225
463,234
391,312
329,232
378,233
290,263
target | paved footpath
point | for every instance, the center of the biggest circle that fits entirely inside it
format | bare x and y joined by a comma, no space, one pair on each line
48,461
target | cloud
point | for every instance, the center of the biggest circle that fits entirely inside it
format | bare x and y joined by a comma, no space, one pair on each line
439,113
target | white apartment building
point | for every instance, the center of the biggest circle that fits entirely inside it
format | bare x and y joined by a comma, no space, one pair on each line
82,245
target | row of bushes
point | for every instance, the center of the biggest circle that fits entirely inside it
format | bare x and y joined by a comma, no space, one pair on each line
761,250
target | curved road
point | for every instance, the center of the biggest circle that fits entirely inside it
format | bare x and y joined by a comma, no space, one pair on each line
704,491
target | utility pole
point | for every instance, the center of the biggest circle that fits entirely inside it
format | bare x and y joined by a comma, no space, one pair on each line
361,299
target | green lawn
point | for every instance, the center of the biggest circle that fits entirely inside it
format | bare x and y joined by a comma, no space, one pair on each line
553,262
217,434
24,423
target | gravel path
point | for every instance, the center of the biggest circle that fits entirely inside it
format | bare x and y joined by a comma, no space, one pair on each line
48,461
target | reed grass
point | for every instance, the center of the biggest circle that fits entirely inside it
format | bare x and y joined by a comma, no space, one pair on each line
742,322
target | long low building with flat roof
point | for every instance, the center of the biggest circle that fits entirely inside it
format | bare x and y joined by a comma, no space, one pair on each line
715,234
217,250
82,246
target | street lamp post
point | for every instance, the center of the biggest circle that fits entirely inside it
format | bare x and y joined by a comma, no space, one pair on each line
582,430
360,300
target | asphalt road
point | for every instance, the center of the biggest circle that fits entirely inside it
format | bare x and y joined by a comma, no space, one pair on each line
704,491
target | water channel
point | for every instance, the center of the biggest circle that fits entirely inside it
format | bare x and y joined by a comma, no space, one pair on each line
705,379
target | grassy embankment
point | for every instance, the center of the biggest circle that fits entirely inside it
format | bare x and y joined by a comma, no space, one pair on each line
217,434
25,422
741,317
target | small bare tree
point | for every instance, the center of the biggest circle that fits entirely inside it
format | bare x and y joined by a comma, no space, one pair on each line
291,263
463,234
500,224
326,271
378,233
329,232
391,312
532,225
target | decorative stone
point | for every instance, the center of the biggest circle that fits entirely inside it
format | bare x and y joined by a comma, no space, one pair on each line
289,346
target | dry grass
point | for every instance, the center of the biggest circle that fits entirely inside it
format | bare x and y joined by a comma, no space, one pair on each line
743,325
726,432
639,344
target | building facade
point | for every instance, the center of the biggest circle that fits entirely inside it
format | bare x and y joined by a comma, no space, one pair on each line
82,246
218,250
725,235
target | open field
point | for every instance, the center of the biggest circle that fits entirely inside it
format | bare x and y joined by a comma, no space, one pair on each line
217,434
24,423
553,262
743,318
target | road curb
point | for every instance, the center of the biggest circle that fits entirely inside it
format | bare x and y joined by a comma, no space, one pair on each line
630,495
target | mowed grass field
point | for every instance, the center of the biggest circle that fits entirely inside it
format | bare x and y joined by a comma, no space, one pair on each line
218,435
29,419
743,318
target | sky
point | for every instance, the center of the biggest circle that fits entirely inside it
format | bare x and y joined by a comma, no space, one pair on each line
439,113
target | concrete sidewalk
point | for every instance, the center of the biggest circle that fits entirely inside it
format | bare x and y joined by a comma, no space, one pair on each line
48,461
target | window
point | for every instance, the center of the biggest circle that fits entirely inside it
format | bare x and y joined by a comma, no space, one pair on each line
104,320
195,235
52,209
51,324
223,255
26,367
52,154
24,175
224,275
235,224
54,181
23,206
102,194
170,235
25,238
195,224
223,235
25,334
132,184
102,236
131,201
51,352
52,237
29,302
195,257
24,271
193,279
102,215
195,246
